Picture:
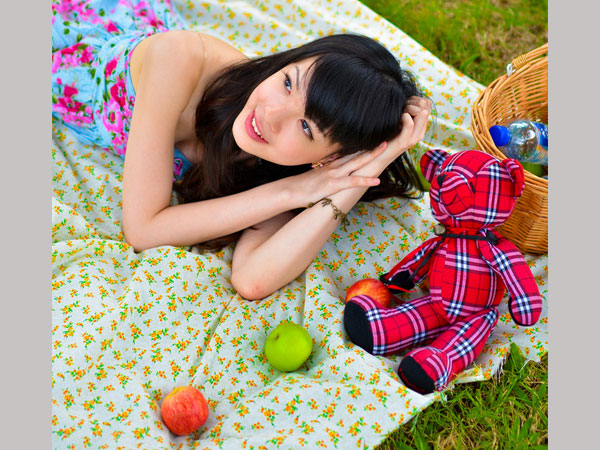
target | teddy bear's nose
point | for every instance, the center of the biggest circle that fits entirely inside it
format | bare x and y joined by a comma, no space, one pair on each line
440,179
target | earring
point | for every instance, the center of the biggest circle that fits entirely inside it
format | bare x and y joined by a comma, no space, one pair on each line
325,160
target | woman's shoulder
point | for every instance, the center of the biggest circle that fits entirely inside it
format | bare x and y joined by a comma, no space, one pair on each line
219,52
197,54
170,72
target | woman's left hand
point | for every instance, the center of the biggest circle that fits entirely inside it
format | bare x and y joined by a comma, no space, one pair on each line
414,125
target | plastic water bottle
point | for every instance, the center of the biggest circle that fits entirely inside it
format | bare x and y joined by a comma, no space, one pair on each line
523,140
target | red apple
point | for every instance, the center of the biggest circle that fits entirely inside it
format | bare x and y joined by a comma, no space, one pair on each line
373,288
184,410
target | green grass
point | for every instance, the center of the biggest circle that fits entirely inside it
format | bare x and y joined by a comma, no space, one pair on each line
479,38
508,412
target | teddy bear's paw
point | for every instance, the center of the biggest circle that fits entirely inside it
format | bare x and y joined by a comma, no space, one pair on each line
426,369
415,377
357,326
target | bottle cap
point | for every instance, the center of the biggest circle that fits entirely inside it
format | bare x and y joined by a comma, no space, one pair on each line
500,135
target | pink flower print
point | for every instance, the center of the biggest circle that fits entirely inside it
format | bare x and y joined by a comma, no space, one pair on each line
70,91
110,67
80,117
111,27
65,7
111,117
71,110
119,144
86,55
142,10
127,113
177,166
73,56
71,9
56,61
117,92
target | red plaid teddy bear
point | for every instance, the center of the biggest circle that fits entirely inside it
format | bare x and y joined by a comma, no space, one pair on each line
468,265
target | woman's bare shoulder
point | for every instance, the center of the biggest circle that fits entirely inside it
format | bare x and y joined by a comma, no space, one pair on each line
219,52
204,55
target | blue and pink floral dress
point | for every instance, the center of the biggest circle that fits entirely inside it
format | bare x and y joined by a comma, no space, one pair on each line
92,43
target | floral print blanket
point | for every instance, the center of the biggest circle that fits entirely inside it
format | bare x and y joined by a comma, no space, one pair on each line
127,328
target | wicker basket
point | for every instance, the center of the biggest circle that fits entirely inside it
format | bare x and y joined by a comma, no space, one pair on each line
520,94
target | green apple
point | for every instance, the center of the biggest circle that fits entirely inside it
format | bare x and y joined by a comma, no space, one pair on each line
288,346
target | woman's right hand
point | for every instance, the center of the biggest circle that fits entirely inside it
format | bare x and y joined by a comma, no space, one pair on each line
335,176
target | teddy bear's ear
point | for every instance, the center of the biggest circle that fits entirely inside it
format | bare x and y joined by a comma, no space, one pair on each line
515,169
431,161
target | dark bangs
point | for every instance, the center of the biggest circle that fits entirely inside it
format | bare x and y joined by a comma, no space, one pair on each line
352,104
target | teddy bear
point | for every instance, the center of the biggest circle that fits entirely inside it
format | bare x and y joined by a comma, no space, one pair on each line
468,265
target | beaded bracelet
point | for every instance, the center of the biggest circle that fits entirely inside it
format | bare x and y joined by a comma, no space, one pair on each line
337,213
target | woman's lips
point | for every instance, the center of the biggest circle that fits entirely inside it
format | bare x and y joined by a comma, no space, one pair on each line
250,128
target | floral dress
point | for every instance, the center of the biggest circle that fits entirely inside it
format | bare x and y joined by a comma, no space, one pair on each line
92,43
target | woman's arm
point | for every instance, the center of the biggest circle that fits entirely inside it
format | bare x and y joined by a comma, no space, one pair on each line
173,66
277,251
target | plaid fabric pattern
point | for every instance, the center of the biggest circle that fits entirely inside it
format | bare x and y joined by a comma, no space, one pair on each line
413,260
460,281
396,329
454,349
469,268
476,190
525,301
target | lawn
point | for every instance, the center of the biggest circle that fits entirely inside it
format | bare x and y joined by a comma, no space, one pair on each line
479,38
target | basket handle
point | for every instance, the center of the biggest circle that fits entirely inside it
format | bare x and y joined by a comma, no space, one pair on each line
525,58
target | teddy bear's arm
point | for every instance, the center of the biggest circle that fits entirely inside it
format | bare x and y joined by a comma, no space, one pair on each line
403,274
505,259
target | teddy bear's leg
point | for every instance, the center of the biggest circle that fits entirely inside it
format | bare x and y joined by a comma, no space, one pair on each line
432,367
381,331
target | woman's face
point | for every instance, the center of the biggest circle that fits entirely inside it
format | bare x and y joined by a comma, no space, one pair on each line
272,125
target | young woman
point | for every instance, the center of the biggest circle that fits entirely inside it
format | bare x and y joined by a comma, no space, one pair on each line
256,141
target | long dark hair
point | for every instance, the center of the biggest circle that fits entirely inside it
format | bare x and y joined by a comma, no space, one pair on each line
356,95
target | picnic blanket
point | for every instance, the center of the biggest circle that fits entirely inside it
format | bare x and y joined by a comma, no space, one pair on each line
127,328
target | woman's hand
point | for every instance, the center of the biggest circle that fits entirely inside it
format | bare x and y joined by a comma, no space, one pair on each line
414,125
333,177
341,173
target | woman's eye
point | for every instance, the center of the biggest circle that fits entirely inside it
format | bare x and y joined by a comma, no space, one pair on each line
288,85
306,129
287,82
